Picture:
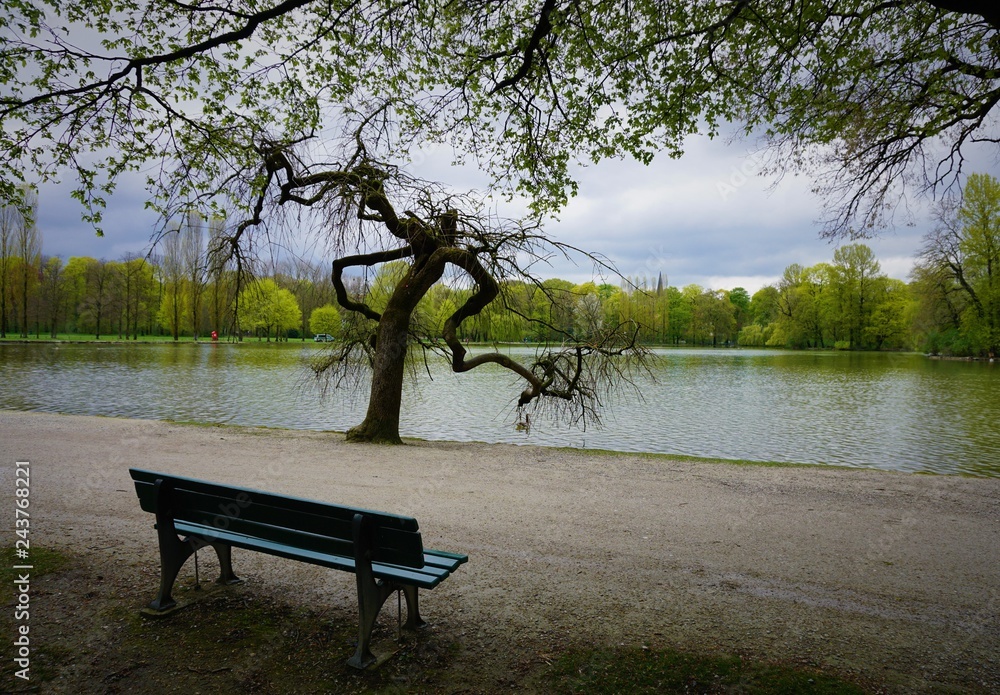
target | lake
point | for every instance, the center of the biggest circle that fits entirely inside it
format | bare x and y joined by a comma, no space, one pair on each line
892,411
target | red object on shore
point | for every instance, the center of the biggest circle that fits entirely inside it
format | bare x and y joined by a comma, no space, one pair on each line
215,335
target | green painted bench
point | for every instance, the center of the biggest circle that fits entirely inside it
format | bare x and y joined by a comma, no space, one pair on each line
384,551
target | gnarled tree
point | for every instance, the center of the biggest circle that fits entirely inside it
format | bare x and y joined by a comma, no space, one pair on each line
442,232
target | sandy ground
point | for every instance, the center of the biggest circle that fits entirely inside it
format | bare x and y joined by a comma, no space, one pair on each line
895,577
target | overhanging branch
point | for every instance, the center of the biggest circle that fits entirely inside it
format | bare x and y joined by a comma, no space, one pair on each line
366,259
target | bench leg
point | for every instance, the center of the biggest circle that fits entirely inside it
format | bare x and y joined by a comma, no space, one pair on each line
413,619
225,553
372,595
173,554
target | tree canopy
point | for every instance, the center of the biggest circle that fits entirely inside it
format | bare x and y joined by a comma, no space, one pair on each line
959,270
870,96
268,308
325,319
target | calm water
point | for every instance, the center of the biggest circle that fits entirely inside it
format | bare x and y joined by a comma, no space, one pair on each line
900,412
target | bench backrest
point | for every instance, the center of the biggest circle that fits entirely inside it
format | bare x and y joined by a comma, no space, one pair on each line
292,521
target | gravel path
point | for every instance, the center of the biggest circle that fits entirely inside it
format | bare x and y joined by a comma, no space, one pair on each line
892,576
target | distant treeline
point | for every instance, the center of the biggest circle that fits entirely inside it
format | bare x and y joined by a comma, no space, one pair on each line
951,305
848,304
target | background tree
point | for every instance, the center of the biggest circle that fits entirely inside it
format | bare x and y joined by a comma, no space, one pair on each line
959,269
979,216
816,294
694,297
588,313
268,308
764,305
890,316
76,287
936,320
719,316
9,219
53,288
680,310
740,299
115,304
934,311
788,328
140,290
96,299
325,319
172,267
552,310
856,271
20,258
28,248
764,313
222,287
193,254
310,283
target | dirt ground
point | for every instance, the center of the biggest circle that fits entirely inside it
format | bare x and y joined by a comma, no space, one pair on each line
890,579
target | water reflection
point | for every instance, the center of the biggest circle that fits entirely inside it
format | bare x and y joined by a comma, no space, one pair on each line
900,412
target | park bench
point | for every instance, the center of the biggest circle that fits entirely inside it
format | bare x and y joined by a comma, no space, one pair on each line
384,551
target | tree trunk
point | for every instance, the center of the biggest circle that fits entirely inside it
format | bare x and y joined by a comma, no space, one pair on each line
25,328
4,266
176,301
381,423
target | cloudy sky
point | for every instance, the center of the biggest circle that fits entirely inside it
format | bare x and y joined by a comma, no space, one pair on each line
698,219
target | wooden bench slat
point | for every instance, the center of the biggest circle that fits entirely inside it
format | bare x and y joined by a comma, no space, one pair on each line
299,504
396,542
253,509
425,578
277,534
393,546
441,558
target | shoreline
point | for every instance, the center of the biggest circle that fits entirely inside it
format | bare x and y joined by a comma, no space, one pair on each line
894,579
569,449
653,455
247,340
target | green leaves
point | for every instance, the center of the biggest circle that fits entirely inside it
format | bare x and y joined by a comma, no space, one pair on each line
523,88
267,307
